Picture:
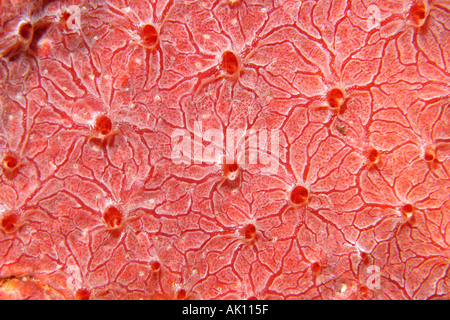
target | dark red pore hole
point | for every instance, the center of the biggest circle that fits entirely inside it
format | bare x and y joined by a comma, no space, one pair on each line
231,171
232,167
234,3
9,222
10,162
408,209
363,290
299,195
103,125
156,266
250,231
335,98
149,35
230,62
113,217
82,294
429,155
26,30
374,156
181,294
315,267
418,12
